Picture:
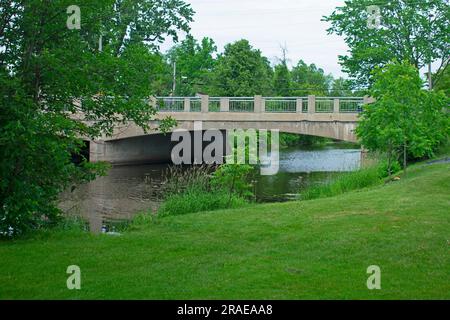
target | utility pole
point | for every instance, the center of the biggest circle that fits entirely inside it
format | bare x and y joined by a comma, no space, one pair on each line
430,79
174,78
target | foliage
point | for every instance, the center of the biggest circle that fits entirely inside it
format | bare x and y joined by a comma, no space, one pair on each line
343,88
234,179
241,71
51,75
310,80
268,251
282,81
386,168
197,189
194,64
406,33
345,182
194,200
441,80
291,139
405,118
176,180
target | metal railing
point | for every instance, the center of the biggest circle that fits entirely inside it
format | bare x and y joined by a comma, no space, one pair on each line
214,105
171,104
280,104
310,104
324,105
195,104
242,104
350,105
305,105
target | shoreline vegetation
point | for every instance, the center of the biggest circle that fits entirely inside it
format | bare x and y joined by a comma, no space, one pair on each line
231,186
295,250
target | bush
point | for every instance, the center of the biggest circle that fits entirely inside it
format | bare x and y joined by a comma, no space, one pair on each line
383,168
347,182
195,200
234,179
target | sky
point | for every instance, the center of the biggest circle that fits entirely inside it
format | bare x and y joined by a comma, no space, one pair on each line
270,24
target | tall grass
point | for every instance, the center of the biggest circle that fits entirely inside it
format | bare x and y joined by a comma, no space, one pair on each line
195,200
345,182
190,191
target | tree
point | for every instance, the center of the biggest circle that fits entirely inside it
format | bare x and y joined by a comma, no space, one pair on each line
405,118
405,33
341,88
60,83
442,79
308,79
282,83
241,71
194,63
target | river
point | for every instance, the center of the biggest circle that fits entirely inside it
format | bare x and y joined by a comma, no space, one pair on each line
127,190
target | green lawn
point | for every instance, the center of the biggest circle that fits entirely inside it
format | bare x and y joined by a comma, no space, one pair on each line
317,249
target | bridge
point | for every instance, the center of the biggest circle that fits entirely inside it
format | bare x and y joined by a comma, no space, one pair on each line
330,117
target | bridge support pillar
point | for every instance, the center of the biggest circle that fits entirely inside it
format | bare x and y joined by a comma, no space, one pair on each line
96,151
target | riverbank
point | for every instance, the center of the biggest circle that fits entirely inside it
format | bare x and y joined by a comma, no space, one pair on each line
126,190
318,249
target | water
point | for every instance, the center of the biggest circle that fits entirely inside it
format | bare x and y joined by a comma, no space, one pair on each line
127,190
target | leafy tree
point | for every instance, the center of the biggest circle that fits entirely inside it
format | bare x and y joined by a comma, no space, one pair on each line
241,71
52,76
442,79
233,179
406,33
194,62
308,79
342,88
405,118
282,82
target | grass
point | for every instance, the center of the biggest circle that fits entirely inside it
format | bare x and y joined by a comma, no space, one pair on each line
195,200
346,182
317,249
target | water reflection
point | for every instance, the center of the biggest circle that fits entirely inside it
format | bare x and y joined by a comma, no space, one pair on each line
127,190
300,169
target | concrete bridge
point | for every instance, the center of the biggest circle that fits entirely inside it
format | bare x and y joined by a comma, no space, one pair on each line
330,117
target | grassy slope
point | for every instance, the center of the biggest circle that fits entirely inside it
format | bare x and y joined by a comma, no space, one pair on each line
313,249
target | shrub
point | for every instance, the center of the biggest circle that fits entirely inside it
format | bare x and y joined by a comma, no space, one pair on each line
384,170
234,179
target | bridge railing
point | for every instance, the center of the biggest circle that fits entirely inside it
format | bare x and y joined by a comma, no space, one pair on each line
259,104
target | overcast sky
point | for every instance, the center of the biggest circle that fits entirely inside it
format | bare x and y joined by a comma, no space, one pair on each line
269,24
